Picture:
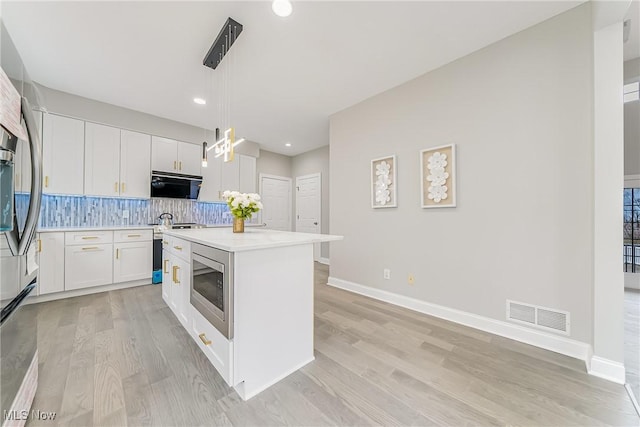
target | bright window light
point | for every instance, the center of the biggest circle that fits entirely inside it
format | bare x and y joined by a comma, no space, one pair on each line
631,92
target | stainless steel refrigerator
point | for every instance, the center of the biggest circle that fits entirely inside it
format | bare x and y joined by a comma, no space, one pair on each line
20,156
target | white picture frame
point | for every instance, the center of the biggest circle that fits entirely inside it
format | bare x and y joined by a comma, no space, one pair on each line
384,182
438,177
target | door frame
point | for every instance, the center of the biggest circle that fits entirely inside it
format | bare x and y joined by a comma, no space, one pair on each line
281,178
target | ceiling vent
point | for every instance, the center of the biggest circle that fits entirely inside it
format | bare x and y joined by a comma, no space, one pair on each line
539,317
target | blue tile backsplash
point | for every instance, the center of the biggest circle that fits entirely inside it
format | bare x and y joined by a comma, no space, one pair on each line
80,211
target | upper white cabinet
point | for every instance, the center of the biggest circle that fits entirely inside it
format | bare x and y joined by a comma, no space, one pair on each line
135,164
247,174
164,154
218,176
189,158
116,162
63,155
102,160
169,155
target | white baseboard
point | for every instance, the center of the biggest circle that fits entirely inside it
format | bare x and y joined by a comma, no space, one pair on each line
547,341
323,260
607,369
86,291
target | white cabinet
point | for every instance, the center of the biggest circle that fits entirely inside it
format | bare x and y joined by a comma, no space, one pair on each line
168,155
135,164
189,158
132,261
247,174
133,255
218,176
51,262
176,279
88,265
164,154
117,162
230,175
101,160
63,155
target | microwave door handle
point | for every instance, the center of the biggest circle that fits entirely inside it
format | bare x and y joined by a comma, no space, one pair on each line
36,179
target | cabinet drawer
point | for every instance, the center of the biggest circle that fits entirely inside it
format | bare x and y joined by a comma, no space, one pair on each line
123,236
87,237
178,247
215,346
88,265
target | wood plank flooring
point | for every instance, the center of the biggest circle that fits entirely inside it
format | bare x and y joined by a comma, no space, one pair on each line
122,359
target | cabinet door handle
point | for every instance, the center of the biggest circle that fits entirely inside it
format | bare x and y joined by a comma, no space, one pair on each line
133,235
166,268
122,188
204,339
178,248
89,237
175,164
39,245
115,187
117,253
180,165
175,275
46,181
91,248
164,242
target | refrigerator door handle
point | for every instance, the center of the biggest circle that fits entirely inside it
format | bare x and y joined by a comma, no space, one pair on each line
36,179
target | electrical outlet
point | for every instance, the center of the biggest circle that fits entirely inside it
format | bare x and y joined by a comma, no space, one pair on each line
125,214
386,273
411,280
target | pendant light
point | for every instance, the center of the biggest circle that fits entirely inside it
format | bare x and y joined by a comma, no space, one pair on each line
282,8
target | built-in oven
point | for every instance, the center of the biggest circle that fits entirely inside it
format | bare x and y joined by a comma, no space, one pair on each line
212,286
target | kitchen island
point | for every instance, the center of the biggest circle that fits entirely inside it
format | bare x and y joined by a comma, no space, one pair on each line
245,298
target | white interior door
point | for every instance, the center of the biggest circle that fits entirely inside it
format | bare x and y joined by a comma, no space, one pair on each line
276,199
308,207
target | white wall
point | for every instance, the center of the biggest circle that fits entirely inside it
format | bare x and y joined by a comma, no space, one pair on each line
520,113
273,164
632,123
316,161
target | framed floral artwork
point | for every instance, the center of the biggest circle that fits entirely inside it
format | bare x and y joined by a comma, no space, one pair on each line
383,182
438,177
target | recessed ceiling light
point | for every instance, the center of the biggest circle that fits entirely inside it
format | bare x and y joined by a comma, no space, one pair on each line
288,144
200,101
282,8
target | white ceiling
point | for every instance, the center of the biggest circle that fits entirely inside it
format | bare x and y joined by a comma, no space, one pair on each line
289,74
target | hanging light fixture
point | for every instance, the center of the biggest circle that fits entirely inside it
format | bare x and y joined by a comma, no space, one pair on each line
220,48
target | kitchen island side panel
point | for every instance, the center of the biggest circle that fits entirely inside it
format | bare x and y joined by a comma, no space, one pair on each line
273,325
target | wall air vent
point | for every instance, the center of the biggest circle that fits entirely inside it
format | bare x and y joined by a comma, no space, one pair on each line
540,317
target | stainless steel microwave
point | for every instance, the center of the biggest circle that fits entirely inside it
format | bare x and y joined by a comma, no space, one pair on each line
175,186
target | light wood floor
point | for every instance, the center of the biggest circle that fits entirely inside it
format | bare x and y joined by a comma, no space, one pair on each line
632,339
121,358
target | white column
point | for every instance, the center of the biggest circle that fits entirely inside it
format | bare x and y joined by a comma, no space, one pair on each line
608,293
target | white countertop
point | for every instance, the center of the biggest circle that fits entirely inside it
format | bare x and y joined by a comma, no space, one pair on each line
251,239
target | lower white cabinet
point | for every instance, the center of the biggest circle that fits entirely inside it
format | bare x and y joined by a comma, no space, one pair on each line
215,346
88,265
132,261
176,279
51,262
